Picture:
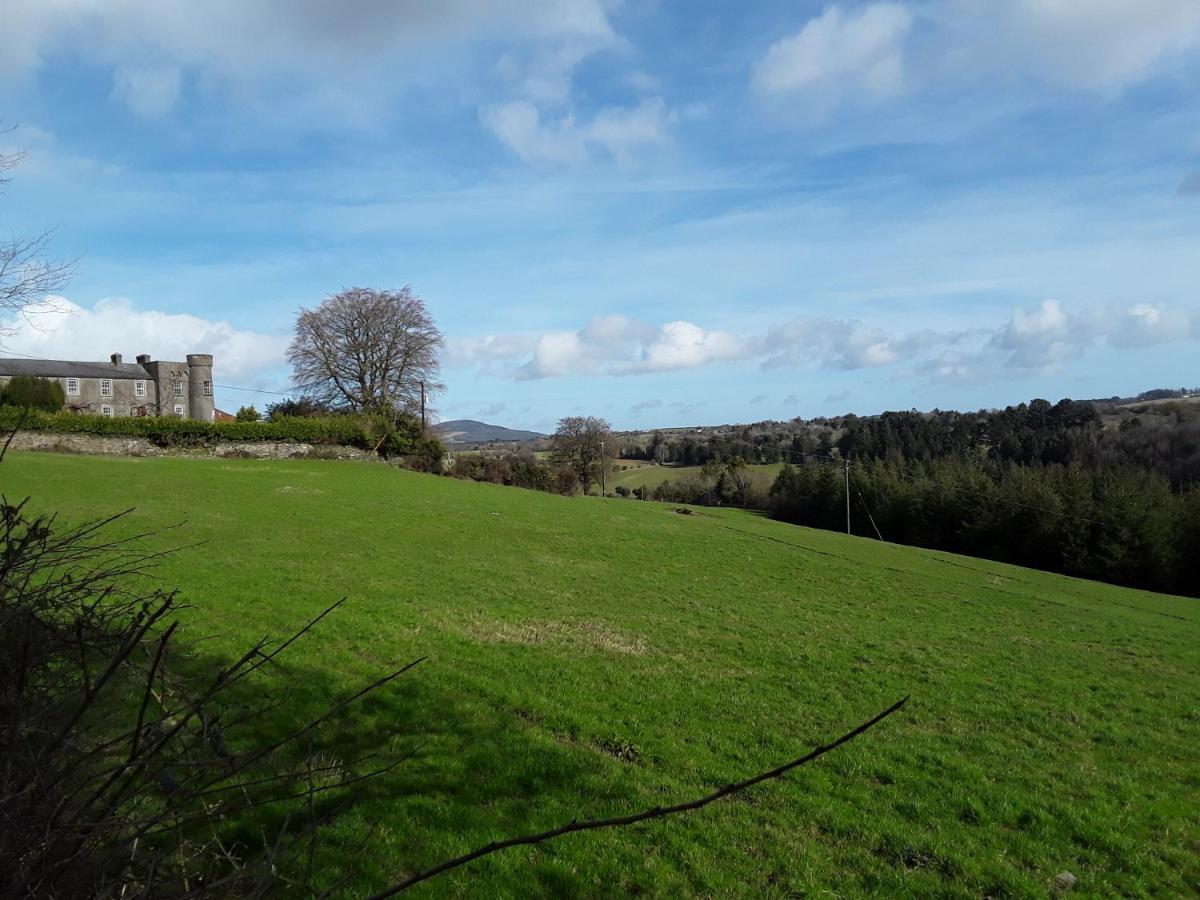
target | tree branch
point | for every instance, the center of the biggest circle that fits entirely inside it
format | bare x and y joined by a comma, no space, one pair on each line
645,815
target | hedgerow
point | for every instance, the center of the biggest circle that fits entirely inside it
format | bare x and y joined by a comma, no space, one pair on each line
169,432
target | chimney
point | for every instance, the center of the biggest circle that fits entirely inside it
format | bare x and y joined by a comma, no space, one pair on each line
143,358
116,359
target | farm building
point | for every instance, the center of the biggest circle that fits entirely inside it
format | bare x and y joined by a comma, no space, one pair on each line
115,388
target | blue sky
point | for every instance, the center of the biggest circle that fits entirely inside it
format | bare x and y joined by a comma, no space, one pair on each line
662,213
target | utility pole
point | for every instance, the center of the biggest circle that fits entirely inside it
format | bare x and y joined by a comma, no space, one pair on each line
846,471
422,406
602,468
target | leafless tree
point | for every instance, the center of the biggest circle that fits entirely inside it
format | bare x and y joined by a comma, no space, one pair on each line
579,442
26,274
367,350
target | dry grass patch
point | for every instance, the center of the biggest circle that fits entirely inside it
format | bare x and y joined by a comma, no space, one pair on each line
580,635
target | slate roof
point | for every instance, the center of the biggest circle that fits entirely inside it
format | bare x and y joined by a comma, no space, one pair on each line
58,368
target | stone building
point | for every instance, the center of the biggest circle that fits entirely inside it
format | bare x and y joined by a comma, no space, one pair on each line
116,388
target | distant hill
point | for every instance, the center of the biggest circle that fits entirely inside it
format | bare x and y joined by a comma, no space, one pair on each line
468,431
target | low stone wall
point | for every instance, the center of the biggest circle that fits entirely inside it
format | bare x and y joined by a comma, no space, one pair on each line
110,445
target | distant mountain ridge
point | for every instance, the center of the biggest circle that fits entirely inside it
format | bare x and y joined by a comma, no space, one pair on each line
469,431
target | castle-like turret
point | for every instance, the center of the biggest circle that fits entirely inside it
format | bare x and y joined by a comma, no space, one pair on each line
200,386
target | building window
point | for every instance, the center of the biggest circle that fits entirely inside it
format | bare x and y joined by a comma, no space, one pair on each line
208,389
106,410
179,409
72,387
106,387
179,389
139,388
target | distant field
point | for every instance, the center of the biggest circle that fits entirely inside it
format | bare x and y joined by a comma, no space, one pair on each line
651,476
589,657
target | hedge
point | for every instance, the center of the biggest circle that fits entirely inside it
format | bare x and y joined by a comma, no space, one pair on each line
170,432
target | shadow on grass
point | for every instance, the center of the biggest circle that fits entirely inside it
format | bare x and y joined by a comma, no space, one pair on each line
467,773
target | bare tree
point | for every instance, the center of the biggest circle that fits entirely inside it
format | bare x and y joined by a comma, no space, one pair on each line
26,274
368,351
580,442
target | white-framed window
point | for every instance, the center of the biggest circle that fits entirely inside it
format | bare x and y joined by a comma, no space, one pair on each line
208,389
106,410
72,387
139,388
178,389
105,387
179,409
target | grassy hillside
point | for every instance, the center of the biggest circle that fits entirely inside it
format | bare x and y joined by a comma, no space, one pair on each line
588,657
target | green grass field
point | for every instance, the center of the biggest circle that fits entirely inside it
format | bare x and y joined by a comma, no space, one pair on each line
591,657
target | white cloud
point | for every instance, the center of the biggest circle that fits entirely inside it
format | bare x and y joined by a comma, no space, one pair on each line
834,343
683,345
60,329
238,37
481,351
1088,44
839,54
1045,339
319,65
620,131
1042,339
1147,324
519,127
148,92
876,51
607,345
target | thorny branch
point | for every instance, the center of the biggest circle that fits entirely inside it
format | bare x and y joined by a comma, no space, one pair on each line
658,812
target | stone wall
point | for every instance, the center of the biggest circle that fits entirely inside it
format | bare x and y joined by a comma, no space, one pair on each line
110,445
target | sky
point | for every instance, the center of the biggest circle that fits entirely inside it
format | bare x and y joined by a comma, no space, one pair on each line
662,213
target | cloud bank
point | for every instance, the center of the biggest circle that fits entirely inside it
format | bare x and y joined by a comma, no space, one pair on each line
1043,339
877,51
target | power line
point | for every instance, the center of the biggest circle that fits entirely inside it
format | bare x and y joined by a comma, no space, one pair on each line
26,355
231,387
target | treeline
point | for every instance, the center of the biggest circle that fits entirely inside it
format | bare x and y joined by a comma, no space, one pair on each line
1163,439
1055,486
1113,523
748,445
1038,433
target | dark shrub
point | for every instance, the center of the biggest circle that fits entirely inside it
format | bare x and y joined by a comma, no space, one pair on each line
302,408
35,393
